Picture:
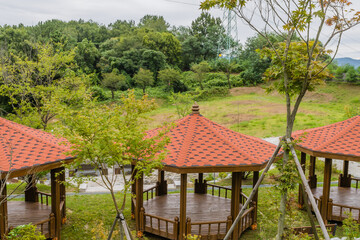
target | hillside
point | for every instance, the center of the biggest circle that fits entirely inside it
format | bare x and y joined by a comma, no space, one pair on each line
350,61
251,111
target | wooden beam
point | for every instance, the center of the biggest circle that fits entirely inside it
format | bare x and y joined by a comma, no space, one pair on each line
35,169
326,189
55,199
183,190
235,200
139,201
30,192
328,154
303,166
3,210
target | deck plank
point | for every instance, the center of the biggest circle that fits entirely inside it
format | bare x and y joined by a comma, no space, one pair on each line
20,212
199,207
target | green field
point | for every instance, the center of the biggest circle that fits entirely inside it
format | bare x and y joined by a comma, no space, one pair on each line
251,111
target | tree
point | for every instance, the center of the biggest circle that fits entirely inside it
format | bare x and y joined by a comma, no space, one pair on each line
144,78
87,56
208,31
308,19
169,77
113,81
227,66
153,60
114,136
166,43
156,23
200,70
37,89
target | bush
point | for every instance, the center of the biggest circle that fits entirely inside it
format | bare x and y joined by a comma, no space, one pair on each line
99,93
236,81
188,78
25,232
210,93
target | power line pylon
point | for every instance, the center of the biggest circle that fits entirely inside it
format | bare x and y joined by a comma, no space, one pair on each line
228,41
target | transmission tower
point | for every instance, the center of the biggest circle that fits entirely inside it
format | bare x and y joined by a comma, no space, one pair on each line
228,42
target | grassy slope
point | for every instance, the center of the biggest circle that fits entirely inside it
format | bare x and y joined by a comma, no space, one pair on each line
250,111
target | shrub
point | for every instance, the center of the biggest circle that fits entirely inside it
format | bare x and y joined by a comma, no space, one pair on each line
99,93
236,81
25,232
211,92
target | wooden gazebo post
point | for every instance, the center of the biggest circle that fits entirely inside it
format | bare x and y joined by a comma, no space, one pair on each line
55,198
303,164
345,177
326,189
183,190
161,185
235,199
312,175
3,210
200,184
133,191
255,198
139,182
31,194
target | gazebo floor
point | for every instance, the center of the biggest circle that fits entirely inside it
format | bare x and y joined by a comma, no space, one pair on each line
342,196
20,212
199,208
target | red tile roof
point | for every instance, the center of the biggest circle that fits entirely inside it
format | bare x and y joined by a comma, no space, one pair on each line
198,142
23,147
340,139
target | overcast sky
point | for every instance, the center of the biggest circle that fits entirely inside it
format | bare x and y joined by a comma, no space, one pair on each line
176,12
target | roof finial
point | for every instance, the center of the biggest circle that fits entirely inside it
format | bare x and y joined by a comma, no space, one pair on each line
195,108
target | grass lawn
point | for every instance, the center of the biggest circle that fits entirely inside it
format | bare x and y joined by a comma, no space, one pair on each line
251,111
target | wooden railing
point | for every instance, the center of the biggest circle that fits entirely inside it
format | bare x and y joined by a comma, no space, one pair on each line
46,195
152,192
50,222
219,188
161,226
210,229
247,219
357,181
343,210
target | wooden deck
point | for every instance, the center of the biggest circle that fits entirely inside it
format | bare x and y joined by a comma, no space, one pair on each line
342,197
20,212
199,208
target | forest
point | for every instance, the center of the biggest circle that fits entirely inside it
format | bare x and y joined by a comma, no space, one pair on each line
151,56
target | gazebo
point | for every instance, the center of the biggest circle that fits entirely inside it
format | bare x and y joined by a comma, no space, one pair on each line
200,146
25,152
336,141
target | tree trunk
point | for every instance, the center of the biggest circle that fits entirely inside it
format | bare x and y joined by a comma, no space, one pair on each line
228,78
112,94
144,90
